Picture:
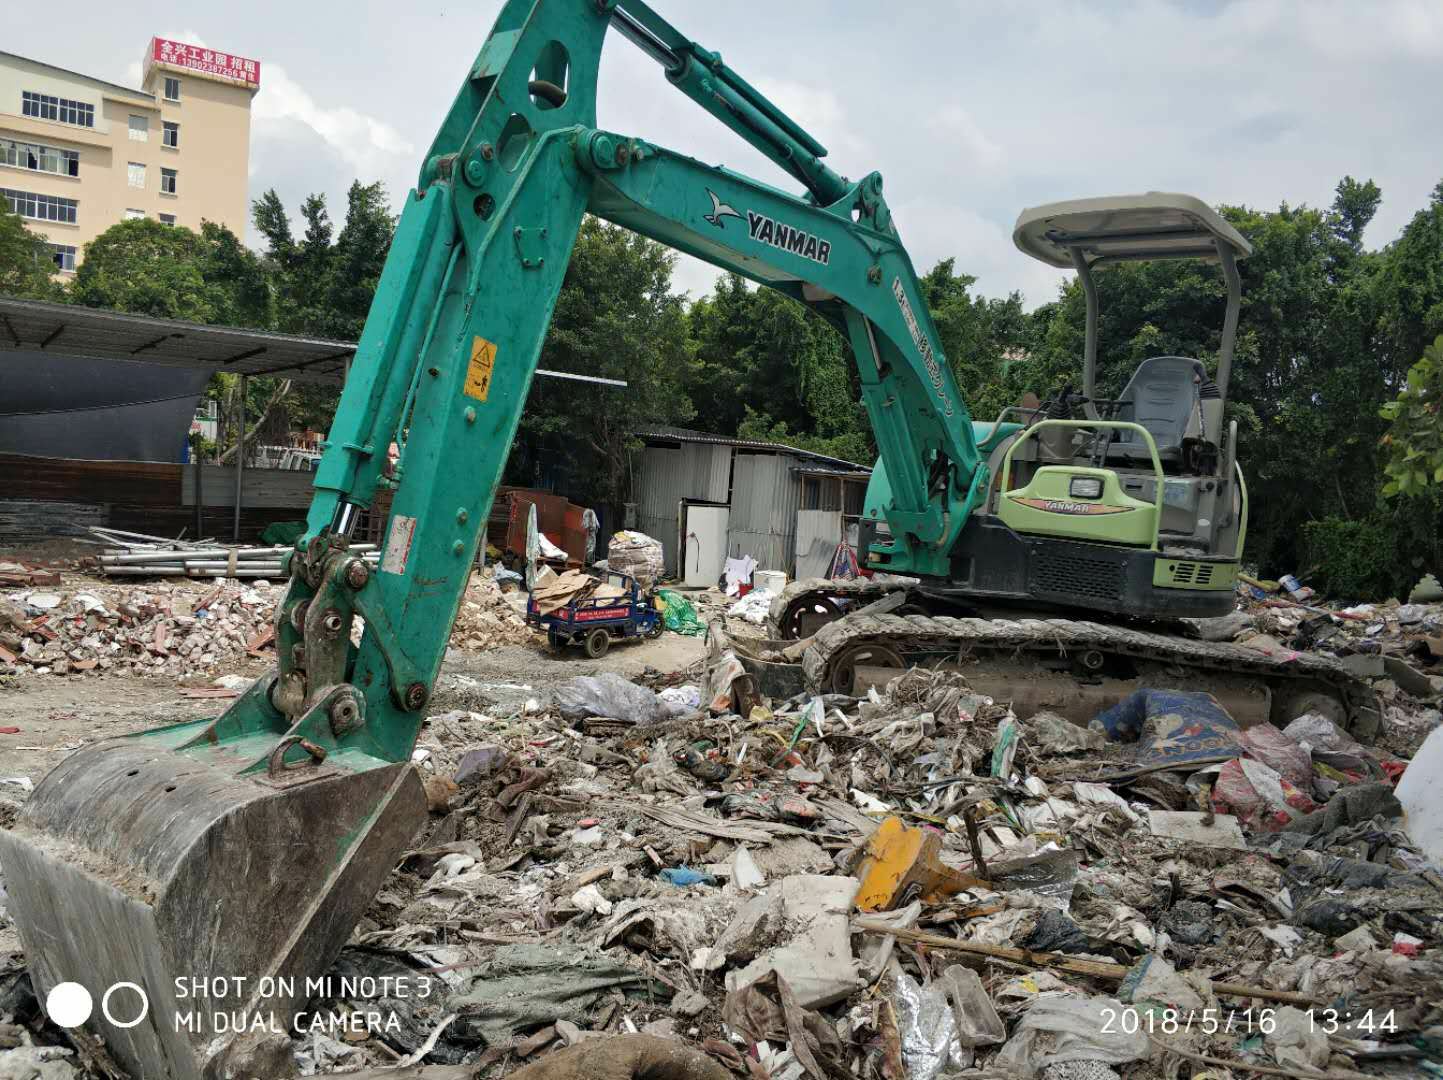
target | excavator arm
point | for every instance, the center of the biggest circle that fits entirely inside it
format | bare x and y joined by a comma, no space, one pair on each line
248,846
465,299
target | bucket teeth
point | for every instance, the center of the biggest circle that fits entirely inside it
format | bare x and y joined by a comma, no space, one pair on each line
215,896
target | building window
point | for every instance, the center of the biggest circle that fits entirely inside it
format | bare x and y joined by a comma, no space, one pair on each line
131,214
64,256
172,89
166,219
61,110
135,173
40,207
39,158
170,134
167,181
139,128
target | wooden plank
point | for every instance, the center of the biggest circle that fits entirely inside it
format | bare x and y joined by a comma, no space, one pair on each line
150,483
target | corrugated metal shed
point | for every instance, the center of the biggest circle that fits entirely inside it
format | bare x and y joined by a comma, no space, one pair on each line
763,521
761,481
697,471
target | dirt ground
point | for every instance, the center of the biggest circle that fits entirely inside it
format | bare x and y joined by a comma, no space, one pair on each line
59,715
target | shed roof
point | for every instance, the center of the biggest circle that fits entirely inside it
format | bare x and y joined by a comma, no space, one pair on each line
71,330
67,329
686,435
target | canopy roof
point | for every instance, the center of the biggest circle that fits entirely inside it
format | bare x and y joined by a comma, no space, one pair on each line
67,329
1157,225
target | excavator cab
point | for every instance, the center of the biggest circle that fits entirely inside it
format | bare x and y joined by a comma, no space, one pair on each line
1133,504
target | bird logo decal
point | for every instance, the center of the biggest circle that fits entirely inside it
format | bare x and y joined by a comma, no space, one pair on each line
719,210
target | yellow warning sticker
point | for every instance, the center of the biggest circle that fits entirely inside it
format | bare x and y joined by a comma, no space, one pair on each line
478,371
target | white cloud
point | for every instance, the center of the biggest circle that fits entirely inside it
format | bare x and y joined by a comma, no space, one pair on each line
359,138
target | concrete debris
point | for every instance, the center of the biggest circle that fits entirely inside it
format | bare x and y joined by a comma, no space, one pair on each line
176,628
816,957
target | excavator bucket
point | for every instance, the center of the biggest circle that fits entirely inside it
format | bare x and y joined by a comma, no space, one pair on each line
193,886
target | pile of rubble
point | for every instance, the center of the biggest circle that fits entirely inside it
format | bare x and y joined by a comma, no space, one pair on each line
489,618
169,628
178,627
914,885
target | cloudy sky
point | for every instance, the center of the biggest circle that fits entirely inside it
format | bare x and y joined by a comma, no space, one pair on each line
970,110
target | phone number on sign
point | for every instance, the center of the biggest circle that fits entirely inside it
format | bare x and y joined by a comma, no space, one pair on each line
1129,1021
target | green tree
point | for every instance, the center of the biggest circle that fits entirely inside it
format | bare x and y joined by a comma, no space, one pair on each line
985,341
1409,291
768,367
25,263
147,268
1414,442
616,317
324,288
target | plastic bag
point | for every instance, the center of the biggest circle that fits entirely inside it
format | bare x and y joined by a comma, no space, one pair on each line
1280,753
1258,796
1071,1027
608,694
720,676
679,615
927,1029
686,697
1418,793
1296,1042
1330,745
752,607
1058,735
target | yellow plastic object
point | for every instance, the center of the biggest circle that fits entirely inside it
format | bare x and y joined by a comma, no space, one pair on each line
901,862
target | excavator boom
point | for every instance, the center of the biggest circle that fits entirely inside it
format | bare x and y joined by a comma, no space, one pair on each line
247,847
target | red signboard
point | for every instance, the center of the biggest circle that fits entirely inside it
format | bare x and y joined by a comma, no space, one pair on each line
593,614
208,61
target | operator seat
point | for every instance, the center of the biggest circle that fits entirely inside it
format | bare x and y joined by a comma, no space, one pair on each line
1164,396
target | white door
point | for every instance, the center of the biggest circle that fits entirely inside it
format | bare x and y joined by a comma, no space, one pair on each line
705,545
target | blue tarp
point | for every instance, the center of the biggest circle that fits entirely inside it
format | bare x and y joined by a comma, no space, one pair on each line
1170,729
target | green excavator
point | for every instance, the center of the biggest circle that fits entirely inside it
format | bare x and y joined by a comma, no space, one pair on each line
212,870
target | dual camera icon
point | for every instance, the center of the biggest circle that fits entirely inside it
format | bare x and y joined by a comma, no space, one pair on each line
124,1005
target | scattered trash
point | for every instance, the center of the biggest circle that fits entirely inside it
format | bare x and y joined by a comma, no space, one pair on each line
1072,1027
714,872
752,607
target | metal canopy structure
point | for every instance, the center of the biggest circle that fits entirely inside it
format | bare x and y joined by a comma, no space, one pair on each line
1093,234
1122,228
68,330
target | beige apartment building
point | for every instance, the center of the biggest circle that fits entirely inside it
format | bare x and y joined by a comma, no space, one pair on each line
78,154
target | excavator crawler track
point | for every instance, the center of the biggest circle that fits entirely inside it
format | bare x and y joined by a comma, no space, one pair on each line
1022,652
790,604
